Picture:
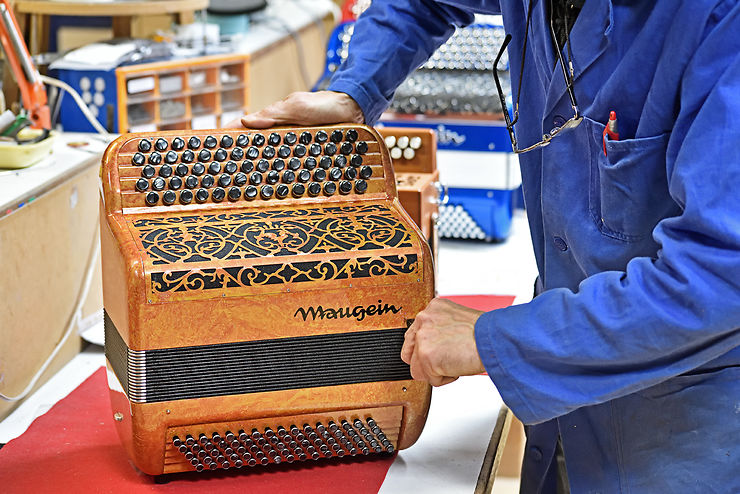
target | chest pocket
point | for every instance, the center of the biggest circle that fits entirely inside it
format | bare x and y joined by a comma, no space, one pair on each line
628,191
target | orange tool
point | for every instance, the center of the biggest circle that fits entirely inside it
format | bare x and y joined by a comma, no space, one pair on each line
33,92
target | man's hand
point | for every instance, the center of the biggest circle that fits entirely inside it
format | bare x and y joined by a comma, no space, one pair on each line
319,108
440,344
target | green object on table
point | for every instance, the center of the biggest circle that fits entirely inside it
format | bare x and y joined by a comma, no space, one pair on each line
21,122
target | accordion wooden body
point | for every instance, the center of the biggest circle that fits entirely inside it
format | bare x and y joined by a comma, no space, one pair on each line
257,288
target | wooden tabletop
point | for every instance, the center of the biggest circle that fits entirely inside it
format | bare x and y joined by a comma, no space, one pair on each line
106,8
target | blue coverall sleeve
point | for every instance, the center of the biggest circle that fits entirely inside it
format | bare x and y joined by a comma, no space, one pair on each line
391,39
621,332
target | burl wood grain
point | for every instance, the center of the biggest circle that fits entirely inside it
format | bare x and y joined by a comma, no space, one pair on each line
148,316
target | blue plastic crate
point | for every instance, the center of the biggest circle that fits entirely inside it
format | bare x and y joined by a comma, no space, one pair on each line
477,214
98,88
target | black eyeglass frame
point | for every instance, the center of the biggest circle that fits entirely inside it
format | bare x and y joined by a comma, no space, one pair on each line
571,123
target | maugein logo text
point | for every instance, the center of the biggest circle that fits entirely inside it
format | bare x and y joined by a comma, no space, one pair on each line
358,312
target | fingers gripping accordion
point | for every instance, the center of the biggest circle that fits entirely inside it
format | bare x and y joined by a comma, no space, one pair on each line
257,287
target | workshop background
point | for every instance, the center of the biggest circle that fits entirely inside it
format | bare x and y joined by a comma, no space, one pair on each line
76,74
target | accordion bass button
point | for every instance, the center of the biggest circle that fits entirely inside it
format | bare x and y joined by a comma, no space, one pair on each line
178,144
210,142
218,194
250,192
234,193
155,158
321,136
161,144
319,175
138,159
310,163
258,140
330,188
199,169
351,135
247,166
360,186
230,167
186,196
314,189
145,145
267,191
298,190
340,161
294,164
262,166
273,139
282,191
290,138
201,195
207,181
220,155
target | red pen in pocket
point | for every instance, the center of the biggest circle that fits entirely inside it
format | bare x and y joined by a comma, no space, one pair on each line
611,129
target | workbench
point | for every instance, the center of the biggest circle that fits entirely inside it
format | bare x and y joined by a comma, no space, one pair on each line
48,232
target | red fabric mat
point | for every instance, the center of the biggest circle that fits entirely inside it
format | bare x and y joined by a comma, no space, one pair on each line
74,448
482,302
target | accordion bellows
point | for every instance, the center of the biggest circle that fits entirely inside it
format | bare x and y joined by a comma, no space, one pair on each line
257,287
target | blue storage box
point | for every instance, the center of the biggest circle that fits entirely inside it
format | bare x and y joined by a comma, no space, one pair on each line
475,160
98,89
476,214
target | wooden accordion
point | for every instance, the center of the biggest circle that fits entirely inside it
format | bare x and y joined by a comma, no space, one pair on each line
414,155
257,287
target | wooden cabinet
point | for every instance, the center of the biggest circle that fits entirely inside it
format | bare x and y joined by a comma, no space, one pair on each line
195,93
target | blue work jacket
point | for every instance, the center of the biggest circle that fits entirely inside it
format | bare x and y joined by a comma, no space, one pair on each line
631,351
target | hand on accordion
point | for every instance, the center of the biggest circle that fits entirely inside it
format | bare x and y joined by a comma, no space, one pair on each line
302,108
440,344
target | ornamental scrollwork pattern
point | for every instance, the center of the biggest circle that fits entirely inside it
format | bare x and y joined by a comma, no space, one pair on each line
254,234
271,274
